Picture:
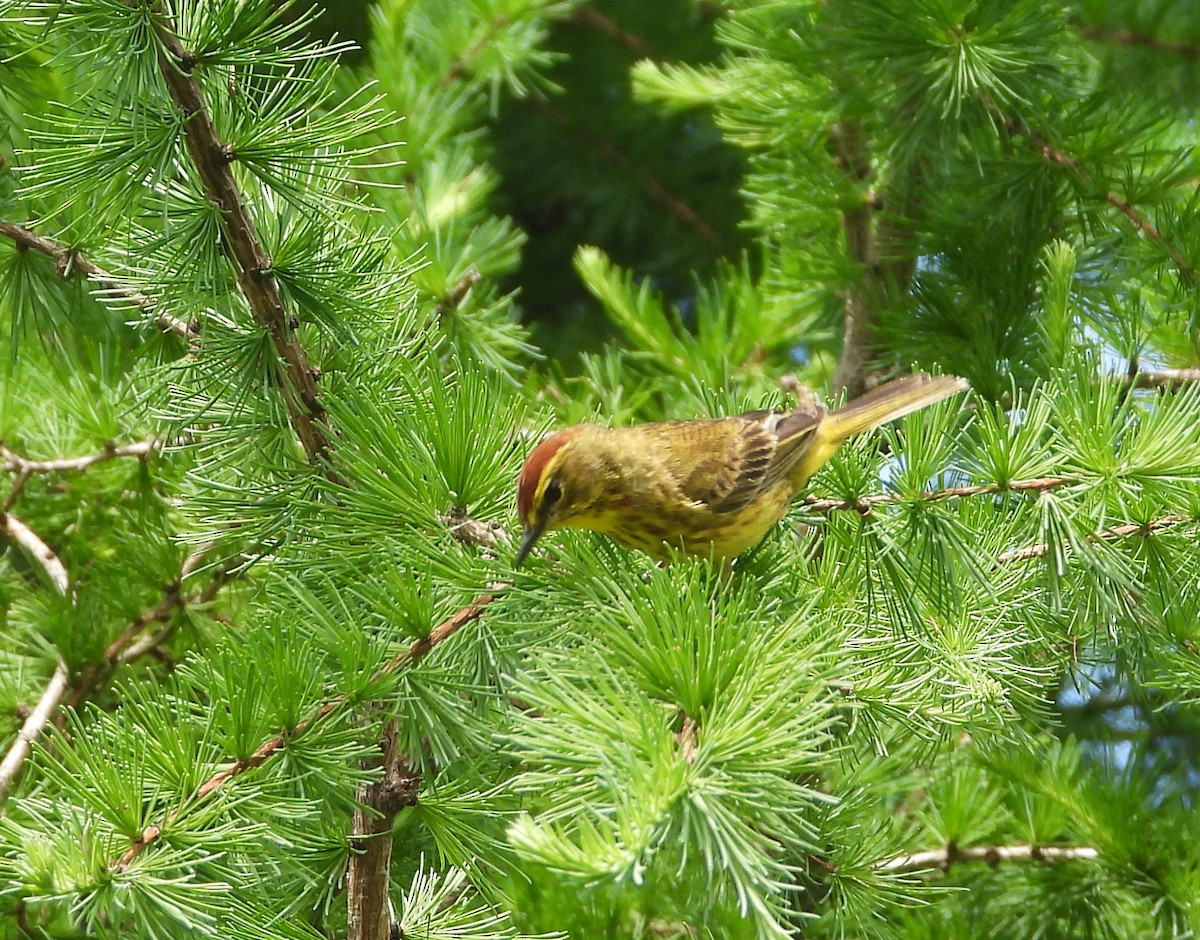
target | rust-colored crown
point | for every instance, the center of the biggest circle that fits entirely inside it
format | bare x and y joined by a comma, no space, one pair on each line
531,473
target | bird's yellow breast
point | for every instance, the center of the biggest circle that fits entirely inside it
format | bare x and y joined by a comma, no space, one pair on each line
659,528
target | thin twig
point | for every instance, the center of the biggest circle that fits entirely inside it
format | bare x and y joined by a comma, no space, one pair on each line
454,297
417,651
15,463
593,18
459,66
490,536
439,634
29,540
654,188
1173,379
138,640
1027,552
1124,37
1099,704
1052,154
14,492
993,855
213,160
867,504
31,730
71,263
56,688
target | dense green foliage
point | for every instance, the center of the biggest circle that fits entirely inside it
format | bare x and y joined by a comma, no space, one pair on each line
295,317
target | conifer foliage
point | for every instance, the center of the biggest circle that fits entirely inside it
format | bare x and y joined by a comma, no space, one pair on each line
266,670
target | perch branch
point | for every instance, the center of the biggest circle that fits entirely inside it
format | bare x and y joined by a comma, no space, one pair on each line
490,536
866,504
993,855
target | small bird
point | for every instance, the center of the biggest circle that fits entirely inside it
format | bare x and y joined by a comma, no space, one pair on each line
711,487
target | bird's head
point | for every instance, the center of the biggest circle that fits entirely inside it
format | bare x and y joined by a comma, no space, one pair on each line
562,484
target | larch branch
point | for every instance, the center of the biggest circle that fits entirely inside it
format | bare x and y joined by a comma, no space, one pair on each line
368,871
859,299
15,463
993,855
881,244
594,19
448,304
1052,154
866,504
1027,552
439,634
71,263
33,545
653,187
1128,38
414,654
213,160
14,492
56,688
138,639
490,536
1171,379
32,728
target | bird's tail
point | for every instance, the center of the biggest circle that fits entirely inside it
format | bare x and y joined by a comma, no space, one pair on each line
886,403
890,401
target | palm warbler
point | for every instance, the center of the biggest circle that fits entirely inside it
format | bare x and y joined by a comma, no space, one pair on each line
709,487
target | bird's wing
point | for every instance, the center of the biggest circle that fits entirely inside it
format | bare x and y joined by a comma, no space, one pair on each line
731,461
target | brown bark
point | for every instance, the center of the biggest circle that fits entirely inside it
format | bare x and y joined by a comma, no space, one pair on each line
368,908
213,160
881,243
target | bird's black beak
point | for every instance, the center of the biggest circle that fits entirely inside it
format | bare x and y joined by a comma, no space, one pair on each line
532,534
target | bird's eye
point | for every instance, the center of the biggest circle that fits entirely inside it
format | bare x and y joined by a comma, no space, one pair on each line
553,493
